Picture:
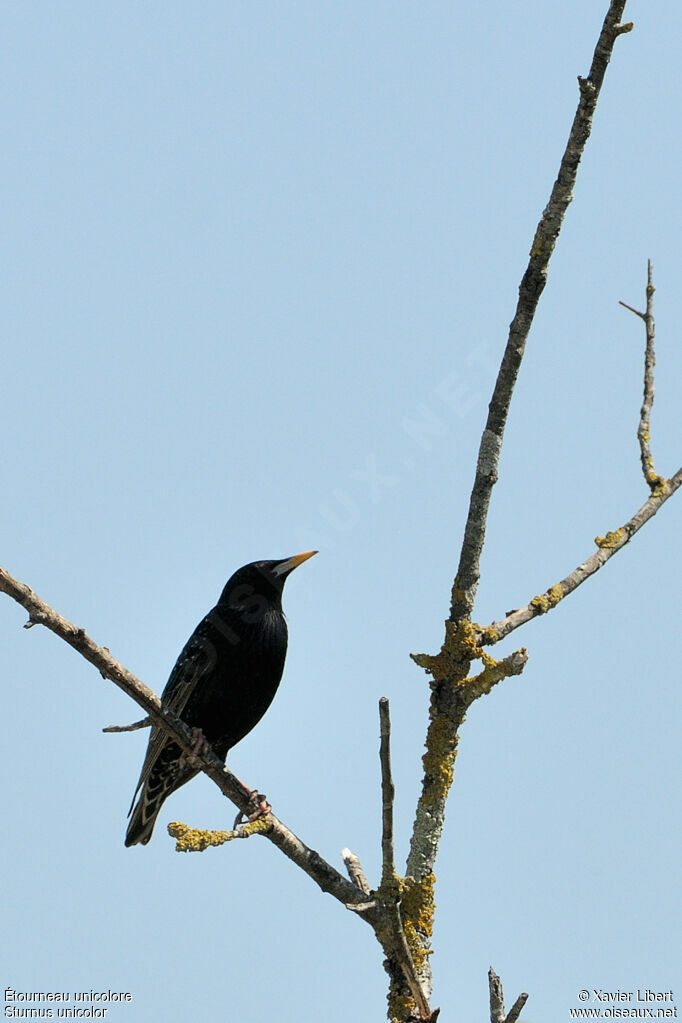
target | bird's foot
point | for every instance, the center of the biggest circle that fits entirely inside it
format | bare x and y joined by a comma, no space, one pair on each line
200,745
257,807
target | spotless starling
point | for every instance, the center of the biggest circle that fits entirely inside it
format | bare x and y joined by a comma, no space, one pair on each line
222,684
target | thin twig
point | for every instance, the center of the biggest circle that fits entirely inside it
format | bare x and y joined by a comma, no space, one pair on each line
642,316
362,907
394,940
144,723
530,290
607,546
40,613
644,427
387,792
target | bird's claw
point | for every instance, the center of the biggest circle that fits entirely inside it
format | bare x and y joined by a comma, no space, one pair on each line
256,808
200,745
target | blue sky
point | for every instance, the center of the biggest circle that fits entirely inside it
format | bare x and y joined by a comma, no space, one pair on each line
260,260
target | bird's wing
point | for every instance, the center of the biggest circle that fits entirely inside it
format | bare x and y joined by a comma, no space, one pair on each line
196,660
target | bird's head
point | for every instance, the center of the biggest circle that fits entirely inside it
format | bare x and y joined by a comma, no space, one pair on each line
260,583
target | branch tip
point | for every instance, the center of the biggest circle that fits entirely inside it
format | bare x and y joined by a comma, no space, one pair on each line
143,723
515,1011
497,1013
355,871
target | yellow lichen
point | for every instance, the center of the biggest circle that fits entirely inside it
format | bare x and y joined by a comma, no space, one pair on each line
417,908
493,672
457,594
488,661
460,646
439,759
399,1006
460,641
490,635
536,247
195,840
612,539
546,601
418,903
658,484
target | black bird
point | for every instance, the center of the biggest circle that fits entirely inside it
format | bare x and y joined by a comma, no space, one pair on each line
222,684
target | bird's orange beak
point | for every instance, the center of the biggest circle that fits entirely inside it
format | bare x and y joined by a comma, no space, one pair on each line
290,564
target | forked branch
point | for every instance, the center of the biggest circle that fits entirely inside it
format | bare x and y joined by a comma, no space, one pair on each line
497,1013
452,688
460,646
644,427
401,909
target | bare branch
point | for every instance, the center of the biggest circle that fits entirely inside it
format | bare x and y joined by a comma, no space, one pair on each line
449,694
362,907
515,1011
497,1014
392,935
642,316
144,723
530,290
644,428
452,693
396,948
355,871
40,613
496,997
401,910
607,546
469,689
387,793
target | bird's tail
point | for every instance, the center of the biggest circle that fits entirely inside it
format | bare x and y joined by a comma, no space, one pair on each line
165,777
142,821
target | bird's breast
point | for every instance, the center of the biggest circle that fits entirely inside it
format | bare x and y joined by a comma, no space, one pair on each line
245,677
